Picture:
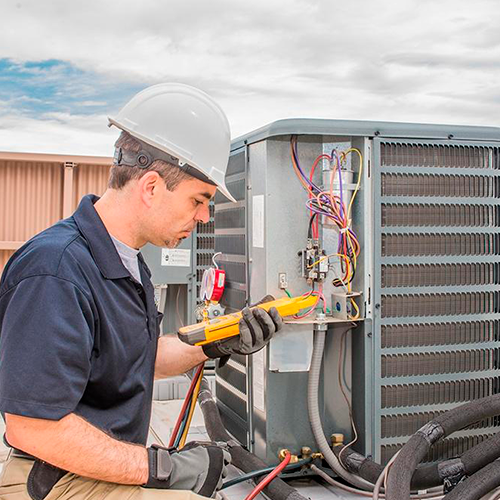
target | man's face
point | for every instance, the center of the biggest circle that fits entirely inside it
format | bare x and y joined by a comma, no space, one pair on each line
177,212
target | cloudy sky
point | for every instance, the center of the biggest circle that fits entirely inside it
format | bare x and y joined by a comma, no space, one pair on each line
65,65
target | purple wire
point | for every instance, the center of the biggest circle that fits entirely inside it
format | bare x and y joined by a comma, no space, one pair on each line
296,154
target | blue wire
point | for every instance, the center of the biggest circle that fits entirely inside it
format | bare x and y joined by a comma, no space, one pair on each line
180,432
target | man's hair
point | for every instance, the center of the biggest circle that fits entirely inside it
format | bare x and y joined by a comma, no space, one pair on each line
120,175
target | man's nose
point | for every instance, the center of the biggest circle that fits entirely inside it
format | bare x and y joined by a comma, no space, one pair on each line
203,214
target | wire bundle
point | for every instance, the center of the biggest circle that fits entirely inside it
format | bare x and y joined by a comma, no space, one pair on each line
320,296
181,429
332,206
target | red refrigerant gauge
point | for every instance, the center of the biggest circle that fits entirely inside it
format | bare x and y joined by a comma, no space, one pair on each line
212,284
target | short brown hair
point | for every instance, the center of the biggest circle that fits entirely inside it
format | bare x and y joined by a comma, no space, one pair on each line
120,175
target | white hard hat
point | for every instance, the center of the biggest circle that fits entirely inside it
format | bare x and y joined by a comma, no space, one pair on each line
183,122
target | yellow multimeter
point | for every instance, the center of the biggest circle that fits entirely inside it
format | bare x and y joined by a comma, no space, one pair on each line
227,326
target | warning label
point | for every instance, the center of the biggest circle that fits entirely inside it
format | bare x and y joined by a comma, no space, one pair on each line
175,257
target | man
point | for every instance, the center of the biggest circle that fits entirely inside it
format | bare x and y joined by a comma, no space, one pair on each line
79,342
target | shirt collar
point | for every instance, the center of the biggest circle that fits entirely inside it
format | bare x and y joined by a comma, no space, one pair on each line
101,246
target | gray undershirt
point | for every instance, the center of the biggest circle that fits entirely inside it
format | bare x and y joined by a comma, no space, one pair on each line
128,255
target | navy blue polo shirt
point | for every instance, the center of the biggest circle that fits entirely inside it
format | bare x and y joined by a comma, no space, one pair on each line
77,333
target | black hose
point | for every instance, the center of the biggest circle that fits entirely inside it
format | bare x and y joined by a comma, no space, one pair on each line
412,453
429,475
424,477
241,458
478,485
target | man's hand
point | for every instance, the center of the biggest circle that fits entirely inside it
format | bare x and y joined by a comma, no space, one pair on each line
256,329
198,467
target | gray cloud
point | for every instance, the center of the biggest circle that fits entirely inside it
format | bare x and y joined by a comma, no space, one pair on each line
402,60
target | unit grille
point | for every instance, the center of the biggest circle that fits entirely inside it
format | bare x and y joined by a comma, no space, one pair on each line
394,245
422,189
230,218
205,242
235,271
466,186
440,275
428,334
230,239
439,304
433,215
434,363
207,228
230,244
438,393
427,155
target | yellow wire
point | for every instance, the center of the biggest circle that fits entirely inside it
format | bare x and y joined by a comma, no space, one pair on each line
353,302
354,257
327,257
196,391
344,154
321,260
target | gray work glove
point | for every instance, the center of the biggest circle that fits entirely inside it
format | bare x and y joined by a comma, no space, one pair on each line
198,467
256,329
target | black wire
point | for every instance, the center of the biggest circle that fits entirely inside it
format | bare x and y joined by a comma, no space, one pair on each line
337,281
311,220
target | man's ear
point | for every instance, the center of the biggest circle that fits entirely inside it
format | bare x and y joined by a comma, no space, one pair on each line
148,186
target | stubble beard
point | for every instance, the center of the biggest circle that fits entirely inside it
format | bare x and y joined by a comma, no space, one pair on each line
173,243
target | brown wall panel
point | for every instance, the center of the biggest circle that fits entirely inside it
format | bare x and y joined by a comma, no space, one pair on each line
32,194
30,198
89,179
4,257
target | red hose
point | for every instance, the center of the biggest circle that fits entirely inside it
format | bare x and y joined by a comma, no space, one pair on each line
184,406
269,477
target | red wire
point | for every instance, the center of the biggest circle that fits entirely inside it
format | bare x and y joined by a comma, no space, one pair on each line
184,406
269,477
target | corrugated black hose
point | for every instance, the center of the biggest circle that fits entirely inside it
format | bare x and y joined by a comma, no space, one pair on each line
241,458
478,485
412,453
429,475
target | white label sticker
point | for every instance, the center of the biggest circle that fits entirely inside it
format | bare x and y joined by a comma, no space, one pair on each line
222,278
175,257
258,221
258,382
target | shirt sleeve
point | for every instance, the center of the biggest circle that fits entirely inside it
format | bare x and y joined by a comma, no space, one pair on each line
46,342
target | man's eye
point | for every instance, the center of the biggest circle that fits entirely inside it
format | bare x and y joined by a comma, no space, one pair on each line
198,202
